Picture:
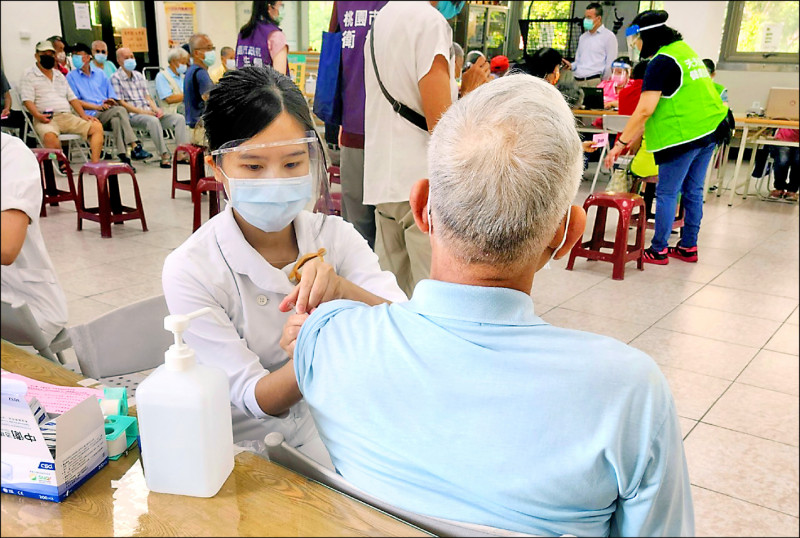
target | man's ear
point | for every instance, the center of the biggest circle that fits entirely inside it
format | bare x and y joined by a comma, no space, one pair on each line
418,200
577,223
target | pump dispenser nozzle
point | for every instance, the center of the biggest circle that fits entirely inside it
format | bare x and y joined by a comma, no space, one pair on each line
179,356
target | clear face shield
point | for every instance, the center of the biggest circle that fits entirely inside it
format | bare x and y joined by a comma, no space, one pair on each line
632,35
269,184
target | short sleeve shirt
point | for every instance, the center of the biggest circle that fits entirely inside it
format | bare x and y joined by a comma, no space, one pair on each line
163,86
132,89
46,94
408,36
196,83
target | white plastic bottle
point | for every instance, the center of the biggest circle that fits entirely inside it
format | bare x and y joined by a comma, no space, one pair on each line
185,426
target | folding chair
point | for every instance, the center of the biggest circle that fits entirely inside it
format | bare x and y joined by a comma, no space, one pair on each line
284,454
126,340
18,326
611,124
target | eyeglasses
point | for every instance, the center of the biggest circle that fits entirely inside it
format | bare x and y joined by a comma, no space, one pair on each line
101,52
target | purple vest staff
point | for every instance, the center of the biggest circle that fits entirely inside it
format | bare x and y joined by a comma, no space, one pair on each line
253,50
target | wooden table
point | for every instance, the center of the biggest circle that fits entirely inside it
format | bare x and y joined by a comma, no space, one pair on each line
746,123
260,498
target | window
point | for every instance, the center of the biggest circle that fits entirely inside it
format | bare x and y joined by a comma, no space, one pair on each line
761,32
550,25
646,6
319,17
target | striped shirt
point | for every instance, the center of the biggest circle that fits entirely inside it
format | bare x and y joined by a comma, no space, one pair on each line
132,89
46,94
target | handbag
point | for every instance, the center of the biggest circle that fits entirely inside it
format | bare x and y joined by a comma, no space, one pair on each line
328,96
405,111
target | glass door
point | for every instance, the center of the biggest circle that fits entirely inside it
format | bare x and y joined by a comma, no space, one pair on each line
496,32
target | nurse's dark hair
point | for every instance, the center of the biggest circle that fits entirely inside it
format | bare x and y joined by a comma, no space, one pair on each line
259,13
247,100
655,38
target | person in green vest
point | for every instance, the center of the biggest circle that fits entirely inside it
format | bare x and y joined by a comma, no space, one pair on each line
712,72
682,117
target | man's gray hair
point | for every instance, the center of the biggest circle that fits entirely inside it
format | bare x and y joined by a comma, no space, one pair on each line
177,54
194,41
98,41
505,163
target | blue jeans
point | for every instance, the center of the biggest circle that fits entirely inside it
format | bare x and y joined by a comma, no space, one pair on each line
684,174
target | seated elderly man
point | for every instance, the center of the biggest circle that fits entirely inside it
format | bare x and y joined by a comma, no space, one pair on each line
131,89
169,81
100,58
98,99
463,404
47,96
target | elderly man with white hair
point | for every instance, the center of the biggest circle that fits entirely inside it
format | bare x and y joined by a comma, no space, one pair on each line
169,81
463,404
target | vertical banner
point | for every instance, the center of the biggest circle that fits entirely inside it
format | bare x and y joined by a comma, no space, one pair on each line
181,22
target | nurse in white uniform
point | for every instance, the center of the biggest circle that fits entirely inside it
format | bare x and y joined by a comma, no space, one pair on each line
265,256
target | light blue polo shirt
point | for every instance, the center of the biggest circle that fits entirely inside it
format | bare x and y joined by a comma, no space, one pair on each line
163,87
94,88
463,404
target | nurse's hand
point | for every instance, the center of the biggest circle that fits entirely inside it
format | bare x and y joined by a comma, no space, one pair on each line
319,283
290,332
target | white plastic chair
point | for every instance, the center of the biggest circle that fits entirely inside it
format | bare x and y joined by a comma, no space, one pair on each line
611,124
284,454
18,326
126,340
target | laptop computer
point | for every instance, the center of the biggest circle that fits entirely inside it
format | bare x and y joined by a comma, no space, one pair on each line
782,104
593,98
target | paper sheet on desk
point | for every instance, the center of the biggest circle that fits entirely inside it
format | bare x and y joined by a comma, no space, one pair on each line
54,398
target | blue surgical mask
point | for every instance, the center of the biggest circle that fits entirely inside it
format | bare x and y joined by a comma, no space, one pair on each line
449,9
588,24
100,58
182,69
77,61
129,64
210,57
270,204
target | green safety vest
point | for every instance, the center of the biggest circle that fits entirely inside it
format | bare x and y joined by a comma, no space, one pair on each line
719,87
693,111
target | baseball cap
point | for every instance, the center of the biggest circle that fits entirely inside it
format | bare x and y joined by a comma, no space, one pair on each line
80,47
498,63
42,46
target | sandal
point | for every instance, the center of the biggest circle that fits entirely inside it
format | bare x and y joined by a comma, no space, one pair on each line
166,163
791,196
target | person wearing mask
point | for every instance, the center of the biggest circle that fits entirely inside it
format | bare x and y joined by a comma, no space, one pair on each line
620,77
100,58
264,255
498,66
98,99
63,63
712,71
45,90
479,411
28,274
682,117
395,148
227,62
197,84
597,48
169,81
131,89
261,41
351,139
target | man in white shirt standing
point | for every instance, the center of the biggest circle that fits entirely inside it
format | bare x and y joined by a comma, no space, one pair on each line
28,274
597,48
413,55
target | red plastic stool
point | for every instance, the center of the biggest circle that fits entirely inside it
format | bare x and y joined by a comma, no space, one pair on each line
624,203
110,208
649,200
196,168
51,194
211,185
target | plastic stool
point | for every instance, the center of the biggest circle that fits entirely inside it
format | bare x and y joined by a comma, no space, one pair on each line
624,203
649,199
196,168
110,208
211,185
51,194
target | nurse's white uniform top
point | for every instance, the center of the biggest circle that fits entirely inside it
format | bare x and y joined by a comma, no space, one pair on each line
218,268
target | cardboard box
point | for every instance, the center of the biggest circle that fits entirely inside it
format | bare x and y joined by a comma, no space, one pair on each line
28,468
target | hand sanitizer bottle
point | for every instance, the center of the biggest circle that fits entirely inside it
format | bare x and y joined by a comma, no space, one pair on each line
185,427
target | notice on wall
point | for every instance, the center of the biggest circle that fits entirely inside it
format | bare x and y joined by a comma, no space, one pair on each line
83,20
134,39
771,34
181,22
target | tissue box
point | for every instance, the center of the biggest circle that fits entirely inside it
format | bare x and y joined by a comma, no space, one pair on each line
29,469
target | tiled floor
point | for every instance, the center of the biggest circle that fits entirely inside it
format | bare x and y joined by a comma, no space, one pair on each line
724,331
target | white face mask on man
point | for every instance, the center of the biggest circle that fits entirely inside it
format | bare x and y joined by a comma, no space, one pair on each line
563,240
